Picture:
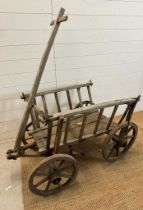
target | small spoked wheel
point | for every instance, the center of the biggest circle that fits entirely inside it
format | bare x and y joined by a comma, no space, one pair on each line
119,141
53,174
84,103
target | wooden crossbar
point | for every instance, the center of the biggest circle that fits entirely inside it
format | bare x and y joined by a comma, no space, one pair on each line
70,87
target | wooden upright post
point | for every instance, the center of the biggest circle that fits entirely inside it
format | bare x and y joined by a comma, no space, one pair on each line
56,24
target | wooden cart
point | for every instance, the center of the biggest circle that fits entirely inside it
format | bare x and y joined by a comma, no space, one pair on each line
48,134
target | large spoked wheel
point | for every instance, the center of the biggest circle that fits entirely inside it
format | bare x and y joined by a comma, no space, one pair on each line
84,103
53,174
119,141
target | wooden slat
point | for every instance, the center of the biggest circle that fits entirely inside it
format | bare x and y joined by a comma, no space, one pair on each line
98,120
69,99
93,108
57,102
130,112
124,114
33,119
58,135
79,96
112,116
66,130
36,114
89,93
49,133
44,105
82,126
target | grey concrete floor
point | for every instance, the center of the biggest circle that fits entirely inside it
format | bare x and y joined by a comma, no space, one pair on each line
10,179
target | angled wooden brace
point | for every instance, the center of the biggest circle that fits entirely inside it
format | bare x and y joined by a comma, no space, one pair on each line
56,23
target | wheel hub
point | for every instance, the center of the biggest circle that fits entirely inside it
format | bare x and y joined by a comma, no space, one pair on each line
56,180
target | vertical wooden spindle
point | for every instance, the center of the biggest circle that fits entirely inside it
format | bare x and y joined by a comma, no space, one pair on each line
58,135
66,130
89,94
98,120
83,126
36,115
79,96
57,102
124,114
111,118
69,99
49,134
44,105
33,119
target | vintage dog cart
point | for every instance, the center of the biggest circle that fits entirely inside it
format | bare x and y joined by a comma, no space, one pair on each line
49,133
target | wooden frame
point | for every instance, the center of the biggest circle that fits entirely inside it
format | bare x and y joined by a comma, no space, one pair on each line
82,121
61,120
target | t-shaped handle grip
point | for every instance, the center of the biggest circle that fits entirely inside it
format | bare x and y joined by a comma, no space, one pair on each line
59,20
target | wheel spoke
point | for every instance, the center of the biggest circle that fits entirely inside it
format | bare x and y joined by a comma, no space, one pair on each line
115,138
130,137
66,168
40,174
111,151
41,182
117,150
48,184
61,163
59,185
65,175
129,129
121,136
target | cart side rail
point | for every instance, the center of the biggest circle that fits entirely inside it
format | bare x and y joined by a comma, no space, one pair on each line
70,103
70,87
92,108
64,128
127,113
86,111
64,120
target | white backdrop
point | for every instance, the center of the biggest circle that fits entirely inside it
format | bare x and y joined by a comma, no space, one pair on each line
102,40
